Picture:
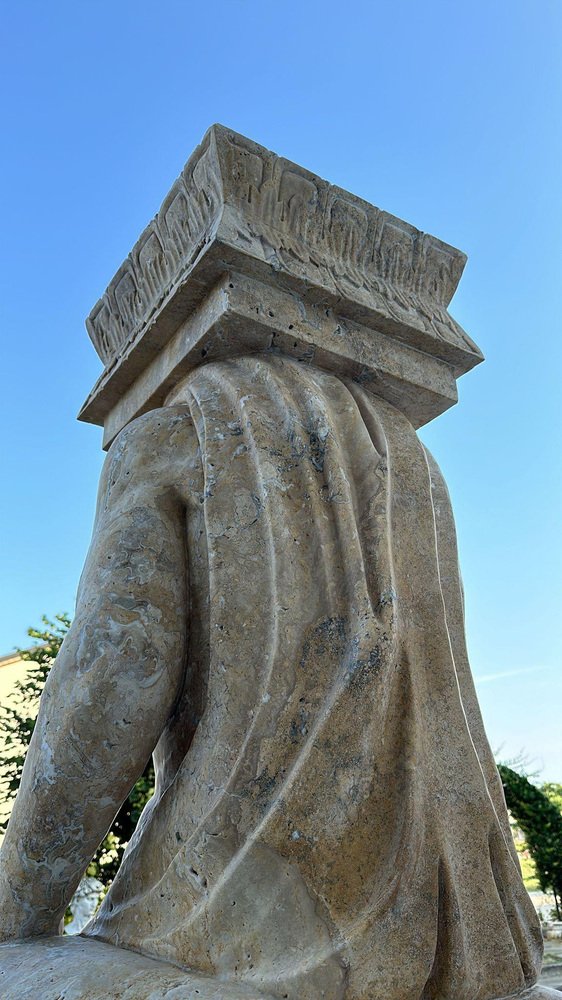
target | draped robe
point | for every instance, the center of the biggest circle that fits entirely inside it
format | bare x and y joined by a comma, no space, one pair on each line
328,821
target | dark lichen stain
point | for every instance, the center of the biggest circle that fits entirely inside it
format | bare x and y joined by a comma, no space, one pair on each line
299,726
258,504
264,785
317,447
329,495
363,670
328,634
262,790
310,444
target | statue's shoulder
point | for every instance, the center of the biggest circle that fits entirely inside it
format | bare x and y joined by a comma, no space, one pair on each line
151,451
152,434
156,425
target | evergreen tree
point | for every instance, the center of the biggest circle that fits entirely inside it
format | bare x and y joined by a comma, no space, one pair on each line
553,791
541,822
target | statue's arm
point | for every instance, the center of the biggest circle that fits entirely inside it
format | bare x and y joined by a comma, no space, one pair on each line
114,683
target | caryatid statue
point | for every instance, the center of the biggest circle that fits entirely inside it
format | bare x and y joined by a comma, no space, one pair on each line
271,606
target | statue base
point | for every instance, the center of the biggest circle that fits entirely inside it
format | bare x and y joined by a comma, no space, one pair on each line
78,968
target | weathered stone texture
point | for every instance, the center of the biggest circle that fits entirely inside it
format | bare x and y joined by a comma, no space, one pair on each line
272,604
239,208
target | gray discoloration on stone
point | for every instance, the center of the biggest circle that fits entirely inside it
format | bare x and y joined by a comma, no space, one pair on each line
271,604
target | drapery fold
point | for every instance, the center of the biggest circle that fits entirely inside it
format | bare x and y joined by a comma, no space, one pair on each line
328,819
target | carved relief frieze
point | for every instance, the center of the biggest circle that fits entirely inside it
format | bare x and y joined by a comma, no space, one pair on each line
176,225
158,258
127,298
290,219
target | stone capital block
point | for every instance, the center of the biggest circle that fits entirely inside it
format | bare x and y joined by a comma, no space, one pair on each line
250,252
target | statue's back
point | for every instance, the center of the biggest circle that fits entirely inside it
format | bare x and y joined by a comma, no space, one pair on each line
335,790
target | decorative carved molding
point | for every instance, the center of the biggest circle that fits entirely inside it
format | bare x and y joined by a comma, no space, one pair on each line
270,211
161,255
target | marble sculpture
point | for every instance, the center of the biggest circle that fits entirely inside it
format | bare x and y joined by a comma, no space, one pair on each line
271,606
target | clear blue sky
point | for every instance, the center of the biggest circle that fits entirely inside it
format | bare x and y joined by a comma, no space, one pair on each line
446,114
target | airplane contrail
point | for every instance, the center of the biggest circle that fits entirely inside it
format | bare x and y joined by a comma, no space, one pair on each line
507,673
